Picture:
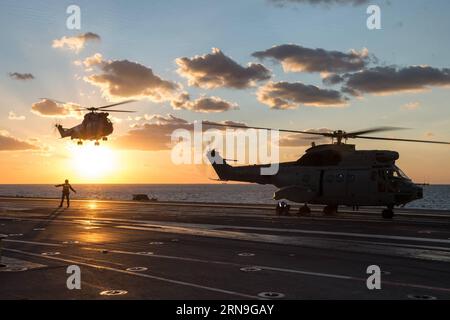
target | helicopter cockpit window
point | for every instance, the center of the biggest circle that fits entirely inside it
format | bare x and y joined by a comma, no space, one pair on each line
395,173
400,173
339,177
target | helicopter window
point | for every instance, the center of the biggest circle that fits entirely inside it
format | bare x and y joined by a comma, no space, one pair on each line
339,177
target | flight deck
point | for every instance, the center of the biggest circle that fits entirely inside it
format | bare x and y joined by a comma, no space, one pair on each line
171,250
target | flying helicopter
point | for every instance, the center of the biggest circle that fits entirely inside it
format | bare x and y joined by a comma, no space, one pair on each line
333,174
95,126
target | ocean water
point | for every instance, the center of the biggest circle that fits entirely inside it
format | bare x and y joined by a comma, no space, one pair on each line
435,196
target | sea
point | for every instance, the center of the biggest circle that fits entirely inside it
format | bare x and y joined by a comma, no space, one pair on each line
436,197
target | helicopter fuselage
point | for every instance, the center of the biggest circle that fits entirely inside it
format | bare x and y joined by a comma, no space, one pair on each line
95,126
333,174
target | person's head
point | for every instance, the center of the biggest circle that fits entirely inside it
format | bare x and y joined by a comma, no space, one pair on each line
67,181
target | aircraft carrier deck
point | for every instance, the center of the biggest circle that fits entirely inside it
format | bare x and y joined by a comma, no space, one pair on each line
134,250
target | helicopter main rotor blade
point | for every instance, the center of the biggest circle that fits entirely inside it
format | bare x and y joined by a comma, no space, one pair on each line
350,135
372,130
120,111
60,102
403,140
263,128
115,104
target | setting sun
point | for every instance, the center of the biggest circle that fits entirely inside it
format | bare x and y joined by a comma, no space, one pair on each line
92,162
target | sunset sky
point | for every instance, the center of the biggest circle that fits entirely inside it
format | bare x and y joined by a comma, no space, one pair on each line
293,64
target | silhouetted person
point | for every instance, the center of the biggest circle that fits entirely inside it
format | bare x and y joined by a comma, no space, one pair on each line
66,187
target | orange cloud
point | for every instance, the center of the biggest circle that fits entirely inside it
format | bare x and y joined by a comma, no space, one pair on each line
75,43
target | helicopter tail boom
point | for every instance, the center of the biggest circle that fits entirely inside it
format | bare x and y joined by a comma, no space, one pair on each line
243,173
221,167
62,131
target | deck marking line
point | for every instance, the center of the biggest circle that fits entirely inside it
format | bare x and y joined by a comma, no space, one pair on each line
183,283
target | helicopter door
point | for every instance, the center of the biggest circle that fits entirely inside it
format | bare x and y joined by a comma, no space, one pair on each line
358,185
334,184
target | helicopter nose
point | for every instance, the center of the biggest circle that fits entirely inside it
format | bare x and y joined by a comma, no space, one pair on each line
408,192
419,193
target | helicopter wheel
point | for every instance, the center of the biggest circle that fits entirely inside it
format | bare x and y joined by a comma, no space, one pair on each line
330,210
105,138
80,143
304,210
282,209
387,213
97,143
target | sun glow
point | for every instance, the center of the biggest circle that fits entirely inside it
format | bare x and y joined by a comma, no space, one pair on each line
93,162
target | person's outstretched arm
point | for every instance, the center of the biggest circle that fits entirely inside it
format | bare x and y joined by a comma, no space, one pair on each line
70,186
58,185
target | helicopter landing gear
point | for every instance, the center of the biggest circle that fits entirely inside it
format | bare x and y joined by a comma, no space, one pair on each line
105,138
97,143
330,210
304,210
388,213
282,209
80,143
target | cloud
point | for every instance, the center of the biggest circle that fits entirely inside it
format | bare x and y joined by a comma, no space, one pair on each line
295,58
332,79
203,104
411,106
282,3
301,140
155,135
285,95
21,76
94,60
126,79
10,143
75,43
13,116
391,80
152,136
214,70
49,108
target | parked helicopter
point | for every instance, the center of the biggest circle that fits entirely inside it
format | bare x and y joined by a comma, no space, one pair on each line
333,174
95,126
